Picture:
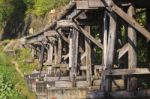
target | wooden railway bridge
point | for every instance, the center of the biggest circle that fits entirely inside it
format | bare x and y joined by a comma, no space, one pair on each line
75,62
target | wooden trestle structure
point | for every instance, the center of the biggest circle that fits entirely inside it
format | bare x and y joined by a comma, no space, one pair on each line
82,64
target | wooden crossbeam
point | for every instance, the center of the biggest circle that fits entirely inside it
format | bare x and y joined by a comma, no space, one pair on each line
51,33
65,23
62,36
131,21
129,72
123,50
66,56
83,56
87,35
35,39
63,78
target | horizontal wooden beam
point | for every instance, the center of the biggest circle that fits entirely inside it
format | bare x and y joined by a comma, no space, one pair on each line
65,23
51,33
63,78
95,4
129,72
63,84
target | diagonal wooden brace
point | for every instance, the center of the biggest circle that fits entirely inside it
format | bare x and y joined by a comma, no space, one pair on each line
131,21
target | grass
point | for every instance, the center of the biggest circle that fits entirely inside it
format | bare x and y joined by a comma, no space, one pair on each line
8,71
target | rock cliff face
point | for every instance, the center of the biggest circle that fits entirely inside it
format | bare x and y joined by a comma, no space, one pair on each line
39,23
28,25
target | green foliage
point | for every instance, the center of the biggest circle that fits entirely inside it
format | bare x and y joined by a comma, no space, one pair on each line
12,8
6,9
7,88
41,7
141,16
12,85
22,57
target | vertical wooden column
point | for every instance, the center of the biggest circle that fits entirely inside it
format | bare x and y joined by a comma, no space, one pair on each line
105,38
50,54
32,53
132,56
110,49
41,58
73,56
88,57
59,51
55,53
50,58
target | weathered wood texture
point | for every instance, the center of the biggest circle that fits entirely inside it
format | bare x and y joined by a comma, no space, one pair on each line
88,57
71,48
132,56
73,55
110,49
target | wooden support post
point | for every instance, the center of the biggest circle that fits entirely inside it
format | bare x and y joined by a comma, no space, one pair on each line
132,56
33,53
110,49
55,53
88,57
73,56
59,51
105,38
50,54
41,59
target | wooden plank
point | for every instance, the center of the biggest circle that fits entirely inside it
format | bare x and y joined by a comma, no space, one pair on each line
82,4
41,59
63,84
88,57
105,45
64,23
59,51
132,56
66,56
35,39
87,35
50,33
129,72
55,54
95,3
61,65
50,54
123,50
62,36
110,49
105,38
62,78
89,4
81,84
98,67
73,55
83,56
131,21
